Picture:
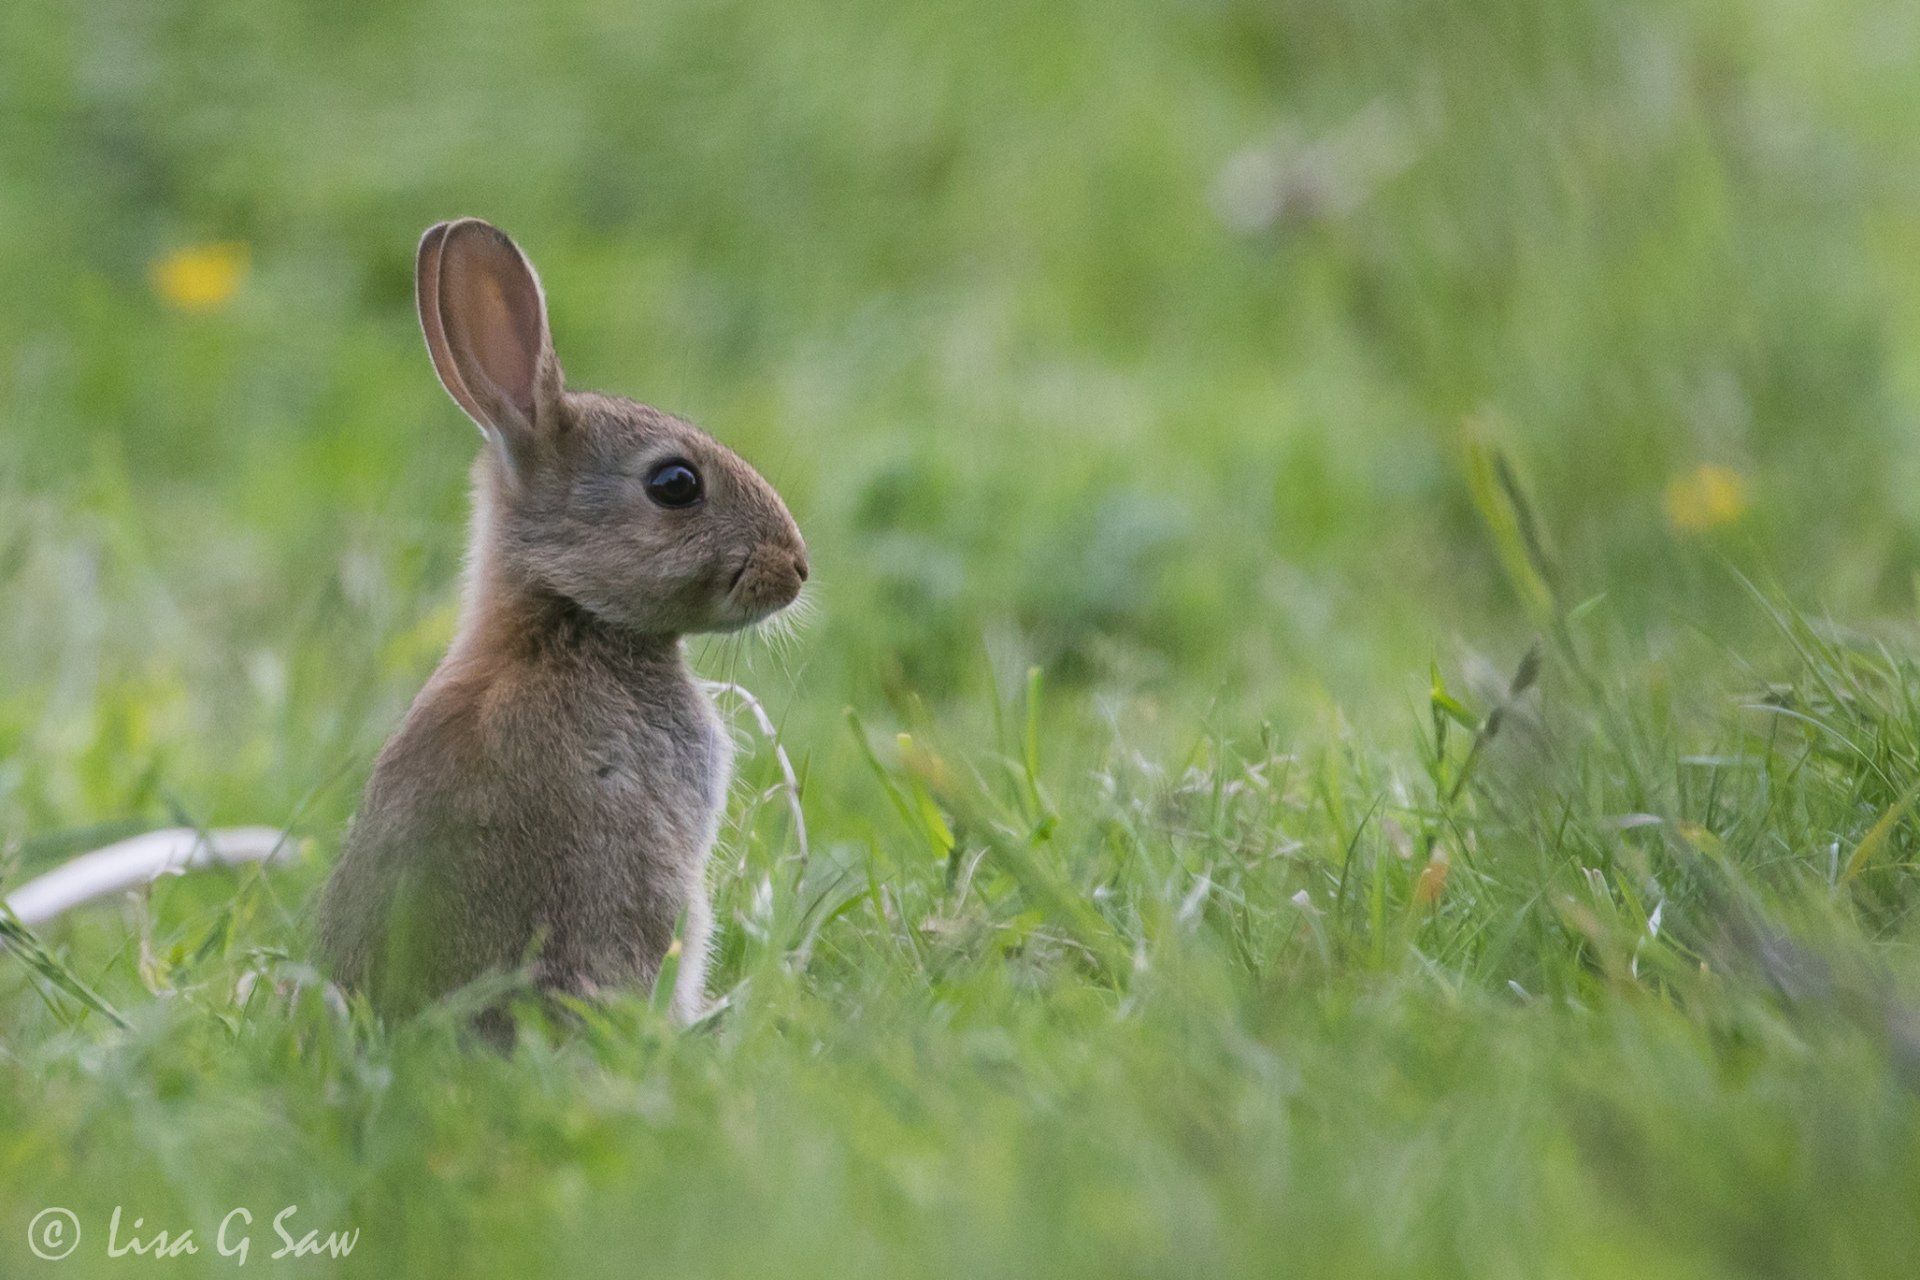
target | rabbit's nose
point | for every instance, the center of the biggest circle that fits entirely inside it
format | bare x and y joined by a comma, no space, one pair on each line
800,564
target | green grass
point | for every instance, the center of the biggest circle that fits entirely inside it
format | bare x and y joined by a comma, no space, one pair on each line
1314,398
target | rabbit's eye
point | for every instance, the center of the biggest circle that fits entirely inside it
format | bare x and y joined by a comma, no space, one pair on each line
674,483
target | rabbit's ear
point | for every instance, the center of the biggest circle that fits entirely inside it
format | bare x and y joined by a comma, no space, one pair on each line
485,321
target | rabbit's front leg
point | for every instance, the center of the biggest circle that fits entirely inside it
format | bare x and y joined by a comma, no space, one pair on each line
696,940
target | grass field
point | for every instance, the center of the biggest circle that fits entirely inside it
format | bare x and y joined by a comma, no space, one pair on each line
1359,716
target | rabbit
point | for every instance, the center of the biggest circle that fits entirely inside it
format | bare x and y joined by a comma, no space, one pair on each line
550,799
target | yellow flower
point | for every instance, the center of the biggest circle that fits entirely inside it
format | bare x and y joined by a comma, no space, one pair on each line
201,278
1706,498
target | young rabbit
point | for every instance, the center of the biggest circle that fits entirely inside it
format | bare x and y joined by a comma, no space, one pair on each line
550,799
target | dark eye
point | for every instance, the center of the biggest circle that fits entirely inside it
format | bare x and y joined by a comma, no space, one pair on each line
674,483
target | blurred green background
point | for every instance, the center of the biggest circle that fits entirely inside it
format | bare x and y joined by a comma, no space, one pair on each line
1148,345
1136,338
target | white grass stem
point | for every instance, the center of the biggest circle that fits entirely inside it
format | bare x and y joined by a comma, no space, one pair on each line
790,781
140,861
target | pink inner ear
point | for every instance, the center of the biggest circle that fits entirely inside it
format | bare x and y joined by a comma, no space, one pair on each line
506,342
495,324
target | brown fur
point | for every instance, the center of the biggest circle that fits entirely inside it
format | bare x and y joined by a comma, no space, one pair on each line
552,795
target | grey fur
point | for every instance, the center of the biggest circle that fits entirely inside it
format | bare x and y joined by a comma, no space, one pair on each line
551,798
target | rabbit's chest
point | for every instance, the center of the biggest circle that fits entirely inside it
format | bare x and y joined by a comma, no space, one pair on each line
655,777
644,766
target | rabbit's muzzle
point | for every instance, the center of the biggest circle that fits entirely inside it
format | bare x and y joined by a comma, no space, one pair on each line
768,580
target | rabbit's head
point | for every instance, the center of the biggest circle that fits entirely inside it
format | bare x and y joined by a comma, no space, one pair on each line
639,518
